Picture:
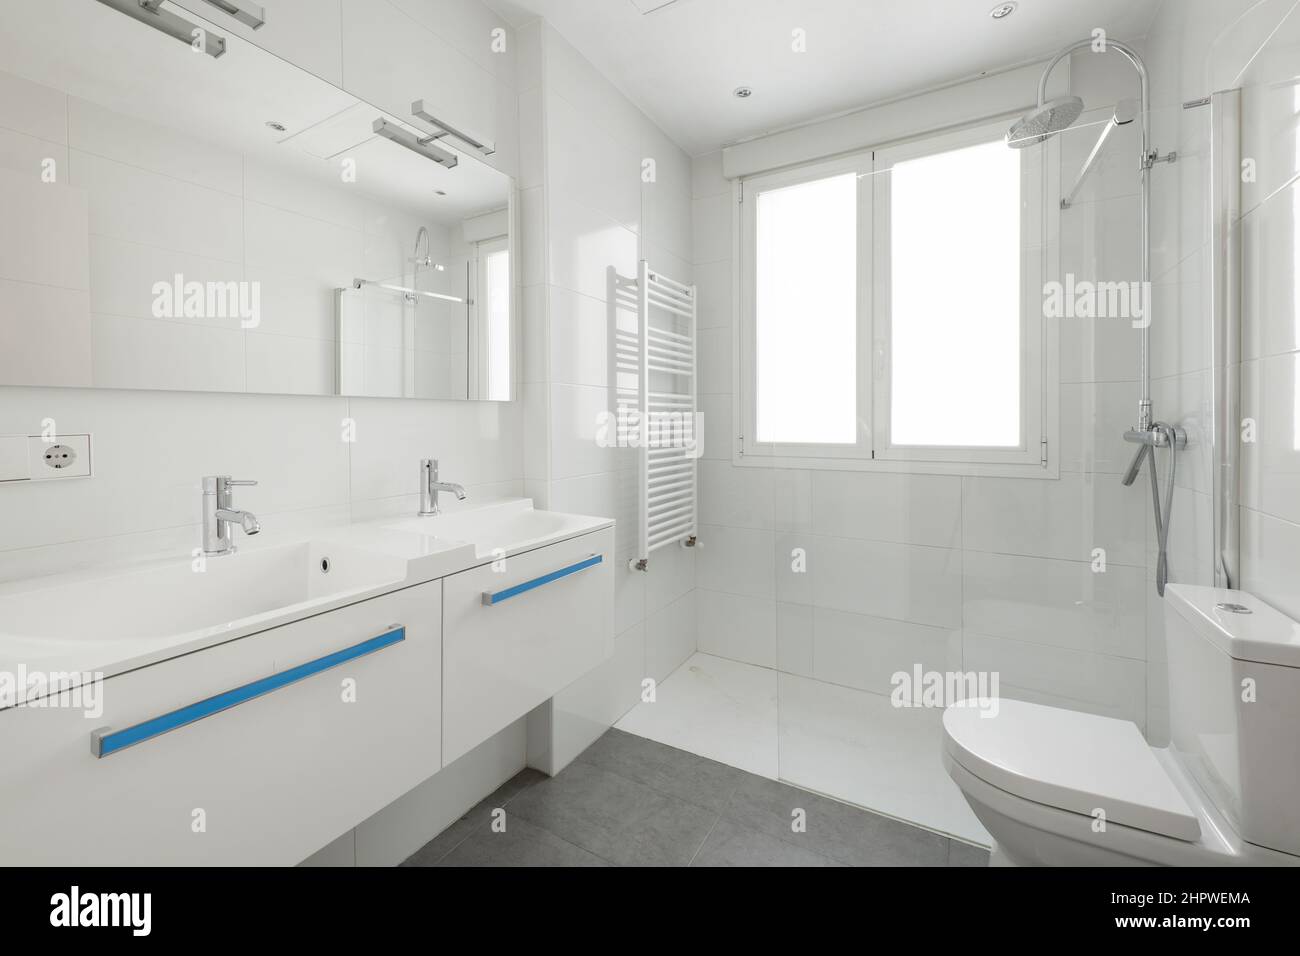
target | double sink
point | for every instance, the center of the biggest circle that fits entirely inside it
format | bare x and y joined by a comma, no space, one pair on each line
116,619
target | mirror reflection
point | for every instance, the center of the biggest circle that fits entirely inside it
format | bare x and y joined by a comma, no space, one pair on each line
208,217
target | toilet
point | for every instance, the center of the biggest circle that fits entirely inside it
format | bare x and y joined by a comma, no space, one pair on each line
1058,787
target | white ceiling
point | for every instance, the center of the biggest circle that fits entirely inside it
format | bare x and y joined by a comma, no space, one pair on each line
681,62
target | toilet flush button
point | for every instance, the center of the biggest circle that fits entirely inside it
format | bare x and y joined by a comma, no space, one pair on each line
1233,608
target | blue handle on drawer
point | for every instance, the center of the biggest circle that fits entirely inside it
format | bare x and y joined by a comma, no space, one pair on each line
496,597
105,741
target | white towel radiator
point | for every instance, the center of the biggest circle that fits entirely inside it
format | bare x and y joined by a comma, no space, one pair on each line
663,355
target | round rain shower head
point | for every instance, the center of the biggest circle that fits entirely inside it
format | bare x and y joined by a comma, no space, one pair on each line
1044,122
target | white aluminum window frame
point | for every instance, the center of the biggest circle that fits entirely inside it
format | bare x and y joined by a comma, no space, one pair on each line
1037,456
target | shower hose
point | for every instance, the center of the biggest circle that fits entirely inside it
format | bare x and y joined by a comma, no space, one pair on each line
1162,514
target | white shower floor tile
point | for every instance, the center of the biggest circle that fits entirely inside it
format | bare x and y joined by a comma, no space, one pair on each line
716,708
848,744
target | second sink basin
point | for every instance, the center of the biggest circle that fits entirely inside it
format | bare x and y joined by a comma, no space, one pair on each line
504,528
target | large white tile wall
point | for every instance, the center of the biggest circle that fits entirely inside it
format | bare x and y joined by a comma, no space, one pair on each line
948,572
588,214
1195,47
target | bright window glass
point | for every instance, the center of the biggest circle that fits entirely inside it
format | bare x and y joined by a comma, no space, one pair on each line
806,312
496,288
955,310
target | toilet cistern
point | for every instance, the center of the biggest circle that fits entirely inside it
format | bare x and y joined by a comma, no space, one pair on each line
430,486
219,514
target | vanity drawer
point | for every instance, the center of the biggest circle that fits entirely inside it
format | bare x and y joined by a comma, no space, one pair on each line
551,621
276,776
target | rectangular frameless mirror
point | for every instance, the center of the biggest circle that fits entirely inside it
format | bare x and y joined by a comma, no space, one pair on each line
207,217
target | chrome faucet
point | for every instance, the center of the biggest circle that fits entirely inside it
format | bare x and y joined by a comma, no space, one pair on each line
430,486
219,514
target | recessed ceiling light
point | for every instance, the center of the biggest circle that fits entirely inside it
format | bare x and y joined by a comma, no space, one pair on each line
1003,10
744,92
278,127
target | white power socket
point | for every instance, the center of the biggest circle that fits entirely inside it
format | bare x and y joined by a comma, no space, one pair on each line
66,457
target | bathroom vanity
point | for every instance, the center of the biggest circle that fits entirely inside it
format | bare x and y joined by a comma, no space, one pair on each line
250,708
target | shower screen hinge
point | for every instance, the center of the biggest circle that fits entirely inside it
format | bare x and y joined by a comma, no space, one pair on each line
1153,157
1043,458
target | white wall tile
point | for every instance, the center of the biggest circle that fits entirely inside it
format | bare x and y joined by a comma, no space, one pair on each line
670,637
44,232
579,339
1055,519
794,639
159,149
576,412
140,206
901,582
1270,554
1076,680
32,109
584,245
706,176
1270,464
736,497
712,228
909,509
1063,603
713,287
865,652
735,560
46,335
737,627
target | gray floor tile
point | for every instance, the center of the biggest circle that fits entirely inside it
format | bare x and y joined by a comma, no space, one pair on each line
730,844
850,835
521,844
620,820
963,854
446,841
678,773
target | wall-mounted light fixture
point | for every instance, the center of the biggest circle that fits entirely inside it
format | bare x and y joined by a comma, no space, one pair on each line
414,143
151,12
486,147
249,14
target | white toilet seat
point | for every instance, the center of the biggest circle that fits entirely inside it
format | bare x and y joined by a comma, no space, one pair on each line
1074,761
1021,806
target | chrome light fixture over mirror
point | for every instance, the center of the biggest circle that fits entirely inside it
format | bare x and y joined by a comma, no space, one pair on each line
230,222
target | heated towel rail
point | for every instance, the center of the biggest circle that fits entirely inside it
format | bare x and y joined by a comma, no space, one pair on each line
663,356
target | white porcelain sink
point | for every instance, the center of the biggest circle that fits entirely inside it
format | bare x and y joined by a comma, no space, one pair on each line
98,621
503,528
110,620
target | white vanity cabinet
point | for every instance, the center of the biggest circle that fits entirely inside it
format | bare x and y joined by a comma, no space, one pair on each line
267,780
307,33
516,633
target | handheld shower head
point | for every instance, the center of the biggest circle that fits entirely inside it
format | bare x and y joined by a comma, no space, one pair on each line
1136,467
1044,121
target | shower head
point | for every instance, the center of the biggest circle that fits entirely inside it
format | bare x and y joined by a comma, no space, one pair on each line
1045,121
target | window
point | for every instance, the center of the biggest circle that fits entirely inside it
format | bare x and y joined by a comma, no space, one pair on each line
492,324
892,311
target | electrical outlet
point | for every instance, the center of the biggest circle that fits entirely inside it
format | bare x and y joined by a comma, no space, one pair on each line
66,457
